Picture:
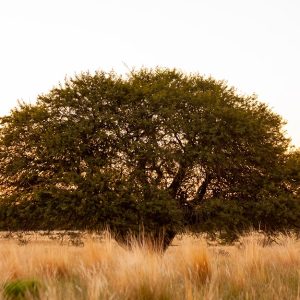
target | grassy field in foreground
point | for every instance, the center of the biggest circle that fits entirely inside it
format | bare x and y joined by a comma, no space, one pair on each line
190,269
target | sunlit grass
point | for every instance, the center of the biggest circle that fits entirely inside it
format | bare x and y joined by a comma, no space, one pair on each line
189,269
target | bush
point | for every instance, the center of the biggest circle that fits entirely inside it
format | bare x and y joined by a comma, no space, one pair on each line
21,289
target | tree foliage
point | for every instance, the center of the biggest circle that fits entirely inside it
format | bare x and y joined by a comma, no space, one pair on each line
157,151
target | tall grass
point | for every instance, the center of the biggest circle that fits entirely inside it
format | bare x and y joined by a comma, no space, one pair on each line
189,269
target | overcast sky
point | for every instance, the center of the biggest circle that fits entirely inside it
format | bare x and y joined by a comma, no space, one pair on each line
253,45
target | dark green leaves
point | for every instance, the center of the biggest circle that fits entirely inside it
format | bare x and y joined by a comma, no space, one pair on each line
141,151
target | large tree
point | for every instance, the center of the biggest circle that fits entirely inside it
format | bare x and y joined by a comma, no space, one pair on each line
143,152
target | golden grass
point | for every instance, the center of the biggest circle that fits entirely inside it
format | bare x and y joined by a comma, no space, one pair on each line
190,269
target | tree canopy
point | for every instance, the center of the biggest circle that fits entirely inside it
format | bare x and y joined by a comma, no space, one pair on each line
155,150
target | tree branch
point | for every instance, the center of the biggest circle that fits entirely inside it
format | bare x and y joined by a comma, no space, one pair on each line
202,190
178,179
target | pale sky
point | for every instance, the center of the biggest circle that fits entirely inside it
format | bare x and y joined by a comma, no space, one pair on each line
252,44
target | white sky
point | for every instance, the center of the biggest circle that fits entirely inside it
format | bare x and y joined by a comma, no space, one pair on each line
253,44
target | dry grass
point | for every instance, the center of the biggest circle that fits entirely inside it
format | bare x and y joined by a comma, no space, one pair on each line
189,270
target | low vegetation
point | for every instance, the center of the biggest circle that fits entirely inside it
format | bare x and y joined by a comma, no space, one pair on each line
192,268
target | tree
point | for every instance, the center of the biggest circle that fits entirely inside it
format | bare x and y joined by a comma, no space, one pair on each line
147,152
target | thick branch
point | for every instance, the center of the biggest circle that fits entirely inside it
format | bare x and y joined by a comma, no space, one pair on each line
159,172
202,190
178,179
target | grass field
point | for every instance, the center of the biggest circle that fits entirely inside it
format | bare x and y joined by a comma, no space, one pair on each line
45,268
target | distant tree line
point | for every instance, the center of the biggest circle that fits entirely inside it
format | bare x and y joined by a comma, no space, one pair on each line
157,151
